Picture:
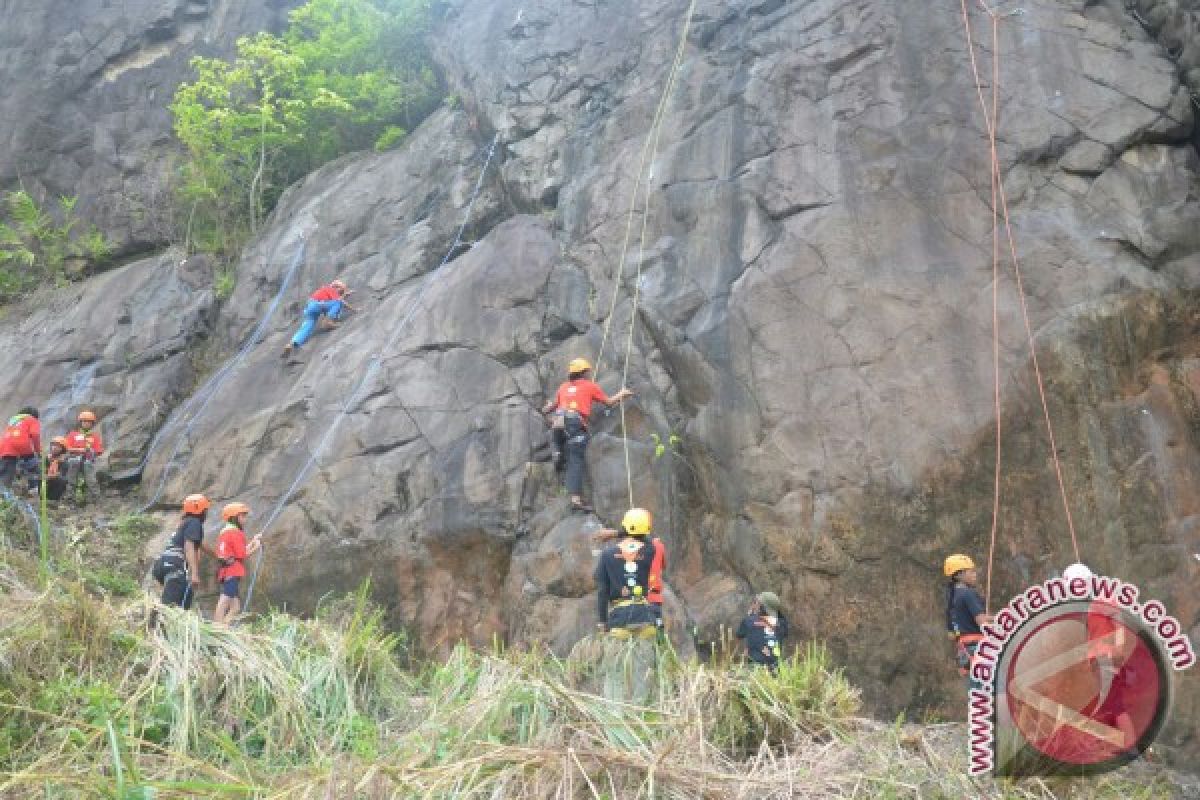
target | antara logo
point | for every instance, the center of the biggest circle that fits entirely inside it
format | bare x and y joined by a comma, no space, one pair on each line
1074,676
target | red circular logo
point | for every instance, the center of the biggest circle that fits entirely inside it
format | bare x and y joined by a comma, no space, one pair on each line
1085,687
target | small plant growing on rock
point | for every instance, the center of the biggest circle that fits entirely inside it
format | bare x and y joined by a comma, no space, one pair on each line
39,246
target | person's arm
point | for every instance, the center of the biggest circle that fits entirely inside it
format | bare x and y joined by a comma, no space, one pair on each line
193,561
976,610
605,535
618,397
781,628
98,446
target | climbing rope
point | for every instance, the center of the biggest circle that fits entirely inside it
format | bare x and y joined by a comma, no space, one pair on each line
373,367
999,193
649,152
195,407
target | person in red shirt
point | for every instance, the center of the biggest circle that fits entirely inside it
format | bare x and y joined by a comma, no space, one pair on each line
325,306
83,445
20,445
232,550
571,409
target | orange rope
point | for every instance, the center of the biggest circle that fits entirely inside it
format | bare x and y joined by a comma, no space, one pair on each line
999,193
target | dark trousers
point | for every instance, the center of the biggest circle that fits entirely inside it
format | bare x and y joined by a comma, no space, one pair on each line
177,590
12,466
576,454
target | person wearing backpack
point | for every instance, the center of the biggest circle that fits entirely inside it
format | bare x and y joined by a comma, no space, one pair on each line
232,550
763,629
177,570
20,445
56,469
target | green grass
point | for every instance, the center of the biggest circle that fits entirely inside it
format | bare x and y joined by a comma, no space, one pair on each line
116,698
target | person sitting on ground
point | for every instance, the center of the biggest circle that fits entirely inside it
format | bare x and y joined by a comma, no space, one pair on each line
654,594
56,469
764,628
232,551
571,407
325,306
623,579
965,611
83,445
178,568
20,446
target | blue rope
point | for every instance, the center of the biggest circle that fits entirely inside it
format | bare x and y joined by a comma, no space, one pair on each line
209,390
373,367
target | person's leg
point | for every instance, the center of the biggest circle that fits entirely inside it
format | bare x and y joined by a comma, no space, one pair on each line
74,467
576,453
55,488
312,313
8,470
333,309
89,476
559,439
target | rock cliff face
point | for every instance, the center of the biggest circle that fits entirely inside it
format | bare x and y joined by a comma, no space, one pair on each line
813,327
85,94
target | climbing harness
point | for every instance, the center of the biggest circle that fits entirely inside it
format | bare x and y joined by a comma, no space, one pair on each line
649,149
195,407
1000,209
373,367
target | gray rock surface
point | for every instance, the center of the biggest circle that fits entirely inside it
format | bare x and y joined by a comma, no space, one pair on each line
84,89
814,327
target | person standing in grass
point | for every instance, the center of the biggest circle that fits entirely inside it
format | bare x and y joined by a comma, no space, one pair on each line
232,550
178,568
763,629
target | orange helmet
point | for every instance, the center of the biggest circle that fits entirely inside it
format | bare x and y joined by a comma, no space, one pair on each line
61,441
234,510
195,504
339,284
87,416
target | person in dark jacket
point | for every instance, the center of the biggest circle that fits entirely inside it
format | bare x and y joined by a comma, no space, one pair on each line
763,629
178,568
965,610
623,580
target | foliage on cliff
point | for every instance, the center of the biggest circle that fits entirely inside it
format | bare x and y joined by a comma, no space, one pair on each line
345,75
37,244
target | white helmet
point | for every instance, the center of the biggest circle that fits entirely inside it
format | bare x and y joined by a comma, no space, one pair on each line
1077,570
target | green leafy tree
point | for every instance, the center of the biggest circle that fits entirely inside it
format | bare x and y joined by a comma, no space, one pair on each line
36,245
346,75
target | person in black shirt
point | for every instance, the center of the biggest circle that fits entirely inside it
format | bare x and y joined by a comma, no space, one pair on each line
623,579
178,568
764,628
965,610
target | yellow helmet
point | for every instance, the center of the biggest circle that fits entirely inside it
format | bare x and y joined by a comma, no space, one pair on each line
578,365
636,522
957,563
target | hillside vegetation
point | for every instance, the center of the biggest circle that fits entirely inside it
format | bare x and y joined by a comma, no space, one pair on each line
105,694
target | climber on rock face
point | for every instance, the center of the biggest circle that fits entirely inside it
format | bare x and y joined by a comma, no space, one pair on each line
623,579
571,408
232,550
654,593
83,446
763,629
325,306
178,568
20,445
965,610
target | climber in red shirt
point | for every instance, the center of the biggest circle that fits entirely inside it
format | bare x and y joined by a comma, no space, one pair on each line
232,551
20,445
571,409
83,445
325,306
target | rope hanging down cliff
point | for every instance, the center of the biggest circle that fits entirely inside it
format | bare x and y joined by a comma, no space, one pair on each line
649,148
372,369
1000,209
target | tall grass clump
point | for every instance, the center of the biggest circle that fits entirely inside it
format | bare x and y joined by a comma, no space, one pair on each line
110,698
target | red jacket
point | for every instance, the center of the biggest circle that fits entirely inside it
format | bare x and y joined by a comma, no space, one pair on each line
22,437
231,546
657,566
78,441
578,395
326,292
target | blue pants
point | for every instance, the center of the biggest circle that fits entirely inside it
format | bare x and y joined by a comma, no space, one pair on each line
313,312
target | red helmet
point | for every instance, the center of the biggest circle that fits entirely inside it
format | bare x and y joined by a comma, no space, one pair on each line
195,504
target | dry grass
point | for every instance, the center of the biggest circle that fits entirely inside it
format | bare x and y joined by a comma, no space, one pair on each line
118,699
